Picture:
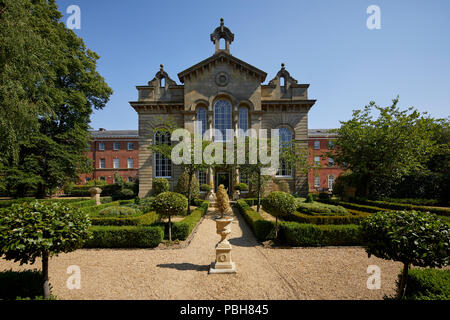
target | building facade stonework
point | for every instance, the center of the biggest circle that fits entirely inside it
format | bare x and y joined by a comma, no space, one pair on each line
220,92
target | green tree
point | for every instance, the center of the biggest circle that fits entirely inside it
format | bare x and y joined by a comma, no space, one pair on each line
279,204
396,143
168,204
49,87
413,238
34,229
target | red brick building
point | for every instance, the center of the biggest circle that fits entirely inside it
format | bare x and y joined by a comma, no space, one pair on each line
113,151
323,171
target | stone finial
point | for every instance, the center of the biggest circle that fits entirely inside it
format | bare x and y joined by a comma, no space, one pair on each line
282,65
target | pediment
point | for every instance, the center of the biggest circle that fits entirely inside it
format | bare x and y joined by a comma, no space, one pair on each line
222,56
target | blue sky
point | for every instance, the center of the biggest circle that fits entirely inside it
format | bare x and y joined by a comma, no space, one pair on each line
323,43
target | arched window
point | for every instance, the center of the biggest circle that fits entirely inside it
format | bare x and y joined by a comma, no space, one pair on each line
163,83
243,120
162,164
201,121
285,142
222,118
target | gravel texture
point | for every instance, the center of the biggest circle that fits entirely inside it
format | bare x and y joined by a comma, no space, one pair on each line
263,273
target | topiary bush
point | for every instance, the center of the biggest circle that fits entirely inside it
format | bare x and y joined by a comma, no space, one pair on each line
160,185
205,187
279,204
183,185
168,204
115,211
413,238
309,198
241,187
38,229
427,284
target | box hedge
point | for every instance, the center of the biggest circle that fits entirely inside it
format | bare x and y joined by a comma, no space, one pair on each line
326,219
23,284
125,237
261,228
428,284
145,219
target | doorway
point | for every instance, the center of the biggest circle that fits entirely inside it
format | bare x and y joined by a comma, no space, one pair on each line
223,178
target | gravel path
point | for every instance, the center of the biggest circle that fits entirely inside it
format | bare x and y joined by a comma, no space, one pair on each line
263,273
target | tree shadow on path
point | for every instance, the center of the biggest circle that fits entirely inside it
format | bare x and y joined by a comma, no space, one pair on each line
184,266
247,239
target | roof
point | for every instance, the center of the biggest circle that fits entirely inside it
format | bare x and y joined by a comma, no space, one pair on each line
320,133
98,134
223,55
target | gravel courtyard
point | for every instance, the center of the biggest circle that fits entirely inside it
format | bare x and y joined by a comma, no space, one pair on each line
263,273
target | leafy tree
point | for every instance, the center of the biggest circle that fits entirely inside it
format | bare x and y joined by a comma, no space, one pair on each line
49,87
160,185
168,204
188,186
395,144
413,238
279,204
34,229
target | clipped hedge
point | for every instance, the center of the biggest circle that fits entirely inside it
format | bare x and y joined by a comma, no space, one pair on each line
145,219
23,284
318,208
326,219
261,228
125,237
428,284
309,235
107,190
404,206
354,206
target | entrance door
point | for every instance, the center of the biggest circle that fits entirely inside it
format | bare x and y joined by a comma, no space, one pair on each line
223,178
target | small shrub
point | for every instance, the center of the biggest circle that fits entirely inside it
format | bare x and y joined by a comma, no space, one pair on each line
205,187
427,284
183,185
279,204
125,237
169,204
23,284
241,187
160,185
324,196
309,198
261,228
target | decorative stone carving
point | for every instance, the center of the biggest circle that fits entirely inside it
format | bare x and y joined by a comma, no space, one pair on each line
283,73
95,194
222,79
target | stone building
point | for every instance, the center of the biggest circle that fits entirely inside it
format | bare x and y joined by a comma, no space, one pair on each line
221,92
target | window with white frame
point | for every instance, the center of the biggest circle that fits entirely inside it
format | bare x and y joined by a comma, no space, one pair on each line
316,181
201,121
222,118
102,163
317,161
201,176
330,182
330,162
116,146
130,163
317,144
101,146
285,142
130,146
243,120
162,164
116,163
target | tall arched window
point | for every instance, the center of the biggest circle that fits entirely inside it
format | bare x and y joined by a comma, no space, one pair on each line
285,142
162,164
222,118
201,121
243,120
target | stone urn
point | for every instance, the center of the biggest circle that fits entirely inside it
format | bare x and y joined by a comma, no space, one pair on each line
236,195
223,263
95,194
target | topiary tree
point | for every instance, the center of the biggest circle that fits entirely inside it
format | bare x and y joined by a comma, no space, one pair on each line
279,204
168,204
160,185
36,229
241,186
205,187
309,198
188,186
413,238
222,202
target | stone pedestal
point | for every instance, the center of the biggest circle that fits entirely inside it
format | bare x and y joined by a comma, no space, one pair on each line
223,263
211,197
95,194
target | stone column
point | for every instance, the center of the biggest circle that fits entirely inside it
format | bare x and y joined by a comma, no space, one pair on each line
95,194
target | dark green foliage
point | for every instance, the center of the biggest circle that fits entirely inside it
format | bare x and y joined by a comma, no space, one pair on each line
160,185
241,187
125,237
411,237
326,219
279,204
23,284
145,219
261,228
428,284
306,235
403,206
183,185
29,229
107,190
309,198
355,206
324,196
205,187
317,208
170,204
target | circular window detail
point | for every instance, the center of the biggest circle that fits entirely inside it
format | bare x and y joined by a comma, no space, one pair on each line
222,79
